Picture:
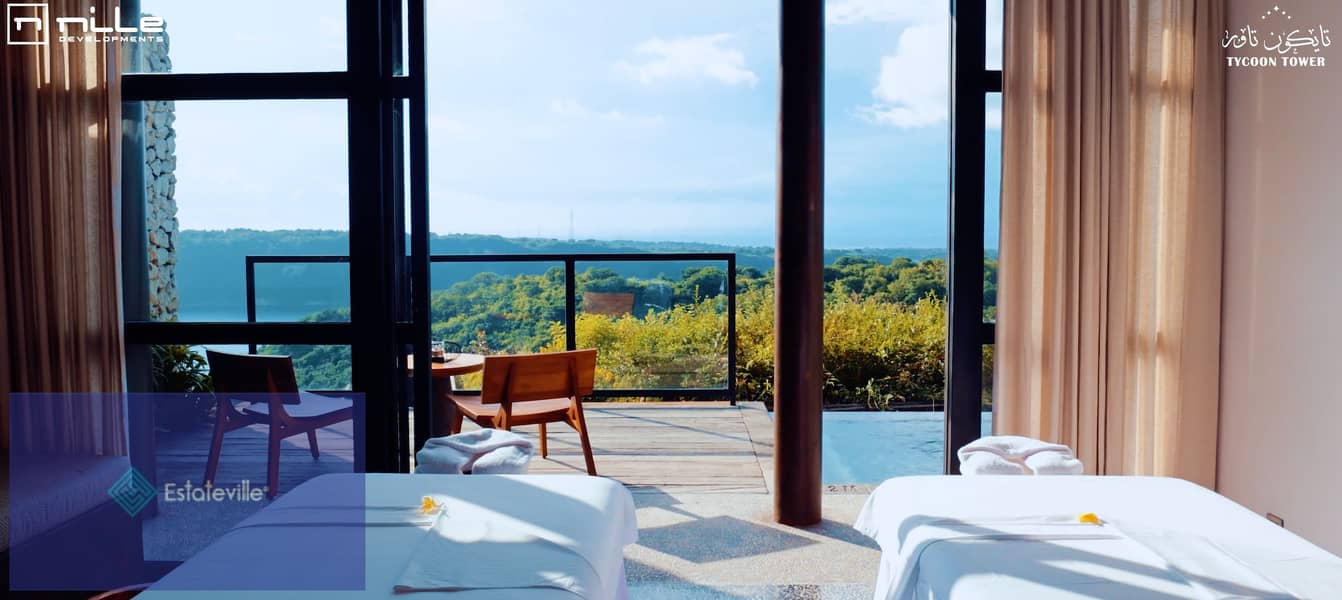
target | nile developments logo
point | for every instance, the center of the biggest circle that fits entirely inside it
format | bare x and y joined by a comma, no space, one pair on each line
132,492
1278,40
29,24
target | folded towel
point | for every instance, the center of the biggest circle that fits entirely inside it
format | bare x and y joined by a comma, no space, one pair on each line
486,451
1054,463
985,463
1011,447
459,554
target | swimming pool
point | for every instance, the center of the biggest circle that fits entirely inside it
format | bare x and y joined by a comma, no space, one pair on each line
870,447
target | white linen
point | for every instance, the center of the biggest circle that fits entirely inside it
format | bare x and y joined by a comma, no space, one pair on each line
1054,463
482,452
493,554
1206,567
1011,447
292,536
987,463
966,567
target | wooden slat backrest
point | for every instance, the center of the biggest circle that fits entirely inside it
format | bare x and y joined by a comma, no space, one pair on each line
529,377
253,374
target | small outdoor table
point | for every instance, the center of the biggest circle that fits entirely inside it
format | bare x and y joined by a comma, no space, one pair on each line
443,372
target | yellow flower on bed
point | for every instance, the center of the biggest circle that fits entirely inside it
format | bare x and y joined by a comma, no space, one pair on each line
429,506
1091,518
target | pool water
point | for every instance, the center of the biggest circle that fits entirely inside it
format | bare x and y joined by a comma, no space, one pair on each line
870,447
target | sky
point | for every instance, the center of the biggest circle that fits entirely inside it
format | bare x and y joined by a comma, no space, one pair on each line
649,120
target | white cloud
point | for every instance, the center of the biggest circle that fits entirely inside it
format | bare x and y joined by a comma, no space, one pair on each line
569,107
850,12
912,89
912,86
690,58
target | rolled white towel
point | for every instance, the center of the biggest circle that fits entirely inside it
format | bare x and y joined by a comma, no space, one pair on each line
1054,463
486,451
987,463
1011,447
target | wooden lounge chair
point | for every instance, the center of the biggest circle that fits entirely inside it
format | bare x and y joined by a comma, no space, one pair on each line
285,410
532,389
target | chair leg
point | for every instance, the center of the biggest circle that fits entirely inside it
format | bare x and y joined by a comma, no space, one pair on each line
456,422
545,449
312,443
216,445
580,424
273,462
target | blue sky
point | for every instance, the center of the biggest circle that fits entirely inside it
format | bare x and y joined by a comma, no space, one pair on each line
650,120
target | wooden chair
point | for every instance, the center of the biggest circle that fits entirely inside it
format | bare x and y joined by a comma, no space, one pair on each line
532,389
287,411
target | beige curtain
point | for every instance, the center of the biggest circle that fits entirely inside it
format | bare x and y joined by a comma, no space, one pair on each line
60,289
1108,331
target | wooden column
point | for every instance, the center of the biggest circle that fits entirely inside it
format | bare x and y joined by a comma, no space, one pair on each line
799,278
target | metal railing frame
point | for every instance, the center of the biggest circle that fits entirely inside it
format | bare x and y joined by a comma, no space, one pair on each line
570,261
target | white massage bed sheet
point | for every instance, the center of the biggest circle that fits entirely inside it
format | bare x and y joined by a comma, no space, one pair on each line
595,513
1072,569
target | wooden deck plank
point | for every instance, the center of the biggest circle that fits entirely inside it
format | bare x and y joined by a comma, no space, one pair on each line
700,447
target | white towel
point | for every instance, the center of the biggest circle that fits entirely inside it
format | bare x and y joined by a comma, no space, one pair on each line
986,463
459,554
1011,447
1054,463
1017,455
484,452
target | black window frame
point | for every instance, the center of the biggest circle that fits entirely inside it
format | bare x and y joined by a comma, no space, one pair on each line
385,102
967,332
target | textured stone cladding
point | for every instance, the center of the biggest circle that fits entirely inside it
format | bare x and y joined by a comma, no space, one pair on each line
160,155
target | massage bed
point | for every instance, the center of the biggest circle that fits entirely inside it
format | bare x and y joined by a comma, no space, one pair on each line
352,536
974,538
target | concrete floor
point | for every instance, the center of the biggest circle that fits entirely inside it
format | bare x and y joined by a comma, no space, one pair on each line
716,545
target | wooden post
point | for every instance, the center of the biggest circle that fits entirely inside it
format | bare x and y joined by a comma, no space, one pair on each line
799,292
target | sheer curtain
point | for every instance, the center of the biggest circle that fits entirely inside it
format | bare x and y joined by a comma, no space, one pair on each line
1108,330
60,288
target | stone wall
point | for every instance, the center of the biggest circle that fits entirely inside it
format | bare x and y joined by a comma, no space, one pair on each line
160,155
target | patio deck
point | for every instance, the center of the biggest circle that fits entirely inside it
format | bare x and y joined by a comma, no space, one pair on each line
671,447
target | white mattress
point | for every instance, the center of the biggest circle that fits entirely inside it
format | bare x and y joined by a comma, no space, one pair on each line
1103,567
295,535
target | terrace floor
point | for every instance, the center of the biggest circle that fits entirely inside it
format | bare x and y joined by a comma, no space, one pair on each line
667,447
701,475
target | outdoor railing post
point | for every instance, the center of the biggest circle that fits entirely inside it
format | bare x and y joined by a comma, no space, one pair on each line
570,304
731,328
251,297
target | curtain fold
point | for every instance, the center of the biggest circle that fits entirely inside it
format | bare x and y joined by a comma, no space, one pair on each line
1108,326
59,243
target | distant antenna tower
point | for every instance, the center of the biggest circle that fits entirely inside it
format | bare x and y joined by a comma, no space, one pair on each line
571,237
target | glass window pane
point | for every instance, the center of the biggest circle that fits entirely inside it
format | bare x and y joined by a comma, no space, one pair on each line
992,212
992,201
547,122
886,192
246,36
655,324
228,180
184,414
994,41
